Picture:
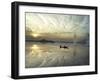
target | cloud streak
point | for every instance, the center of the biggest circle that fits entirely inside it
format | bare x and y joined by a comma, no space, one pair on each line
51,23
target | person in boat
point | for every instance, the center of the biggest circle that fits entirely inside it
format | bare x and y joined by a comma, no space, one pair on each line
63,46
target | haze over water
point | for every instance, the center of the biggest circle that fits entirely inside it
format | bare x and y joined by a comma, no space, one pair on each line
56,40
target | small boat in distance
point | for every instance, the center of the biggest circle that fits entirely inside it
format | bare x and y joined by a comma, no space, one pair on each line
65,47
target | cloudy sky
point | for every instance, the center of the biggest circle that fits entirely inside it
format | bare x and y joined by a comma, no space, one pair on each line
56,23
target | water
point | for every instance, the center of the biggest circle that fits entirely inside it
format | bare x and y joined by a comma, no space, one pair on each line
51,55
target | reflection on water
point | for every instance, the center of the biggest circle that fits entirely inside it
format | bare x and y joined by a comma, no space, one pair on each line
51,55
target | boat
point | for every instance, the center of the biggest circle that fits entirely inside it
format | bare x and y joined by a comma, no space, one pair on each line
65,47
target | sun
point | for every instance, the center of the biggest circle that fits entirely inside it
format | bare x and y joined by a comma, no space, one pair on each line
35,35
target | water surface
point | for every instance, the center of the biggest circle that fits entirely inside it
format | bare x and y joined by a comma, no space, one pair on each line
39,54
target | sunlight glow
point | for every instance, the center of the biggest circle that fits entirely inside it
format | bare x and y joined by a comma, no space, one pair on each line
35,35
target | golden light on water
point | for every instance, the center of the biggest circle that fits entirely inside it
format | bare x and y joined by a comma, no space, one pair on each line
35,51
35,47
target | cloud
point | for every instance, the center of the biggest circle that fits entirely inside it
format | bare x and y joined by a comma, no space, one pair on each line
51,23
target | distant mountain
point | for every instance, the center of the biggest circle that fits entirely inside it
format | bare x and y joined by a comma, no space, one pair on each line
42,40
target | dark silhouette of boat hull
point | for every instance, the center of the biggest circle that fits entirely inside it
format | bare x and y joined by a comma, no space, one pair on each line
65,47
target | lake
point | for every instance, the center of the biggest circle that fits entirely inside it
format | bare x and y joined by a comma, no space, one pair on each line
39,54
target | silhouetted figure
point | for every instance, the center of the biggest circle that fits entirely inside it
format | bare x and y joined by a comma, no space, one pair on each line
60,46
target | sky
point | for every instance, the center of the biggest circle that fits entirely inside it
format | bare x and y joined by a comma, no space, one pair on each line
56,23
